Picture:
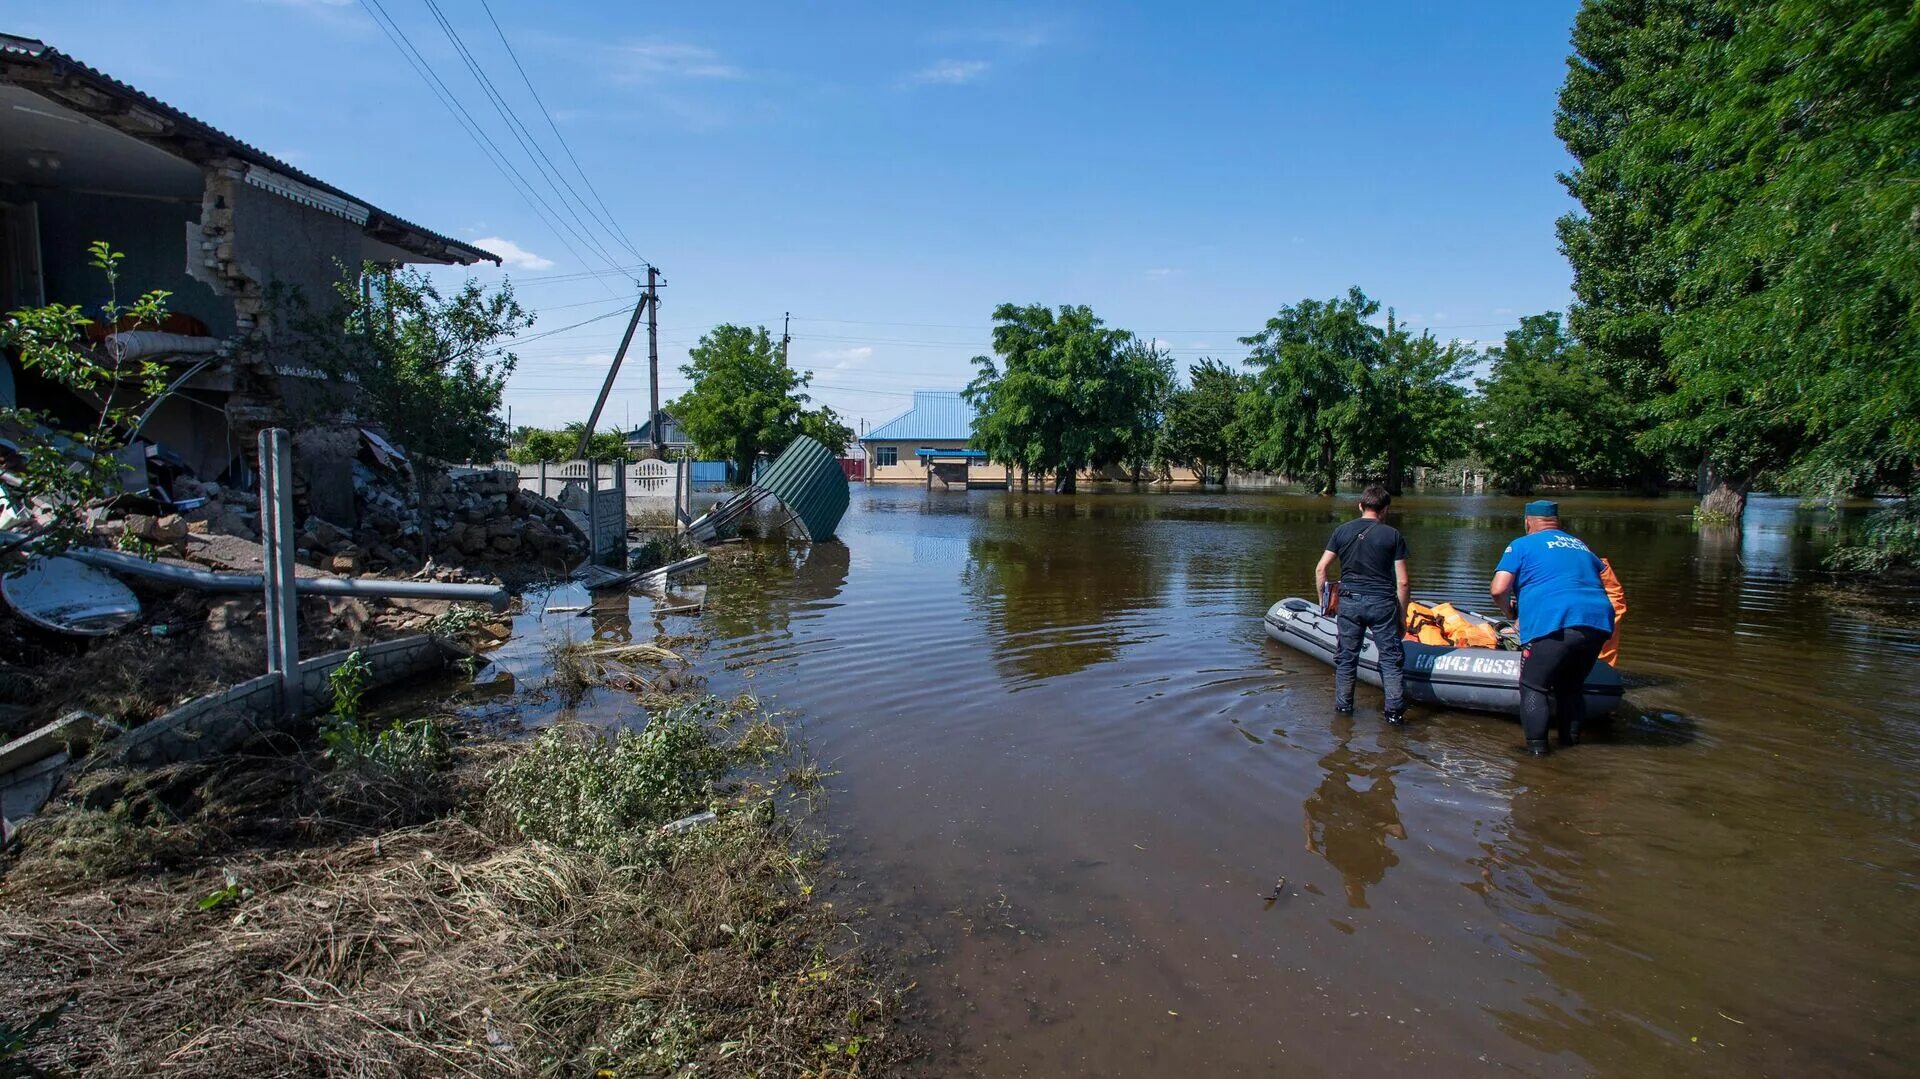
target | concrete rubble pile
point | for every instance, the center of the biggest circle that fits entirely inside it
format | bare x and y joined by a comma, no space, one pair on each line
359,513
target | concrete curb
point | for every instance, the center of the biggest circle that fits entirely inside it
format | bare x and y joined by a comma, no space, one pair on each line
223,720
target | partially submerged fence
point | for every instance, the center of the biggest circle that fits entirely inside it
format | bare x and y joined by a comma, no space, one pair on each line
644,487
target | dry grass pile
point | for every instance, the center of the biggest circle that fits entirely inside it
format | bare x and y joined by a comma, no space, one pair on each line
131,677
576,667
464,945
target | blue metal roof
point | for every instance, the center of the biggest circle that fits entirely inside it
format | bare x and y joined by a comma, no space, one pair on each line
942,414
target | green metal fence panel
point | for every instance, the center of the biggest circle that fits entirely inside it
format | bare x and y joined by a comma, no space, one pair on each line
808,480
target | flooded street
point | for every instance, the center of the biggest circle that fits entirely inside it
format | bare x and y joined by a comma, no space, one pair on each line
1119,832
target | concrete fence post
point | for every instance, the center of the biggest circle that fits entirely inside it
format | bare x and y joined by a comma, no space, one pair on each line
593,510
277,547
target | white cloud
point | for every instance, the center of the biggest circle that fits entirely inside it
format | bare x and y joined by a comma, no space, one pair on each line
951,72
842,357
513,254
1160,271
647,61
1503,310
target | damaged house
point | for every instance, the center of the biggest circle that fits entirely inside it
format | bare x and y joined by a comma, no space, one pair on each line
223,226
241,240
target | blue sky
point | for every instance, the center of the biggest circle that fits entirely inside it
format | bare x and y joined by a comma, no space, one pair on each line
889,172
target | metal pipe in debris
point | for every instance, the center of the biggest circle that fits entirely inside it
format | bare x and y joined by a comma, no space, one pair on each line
671,569
371,587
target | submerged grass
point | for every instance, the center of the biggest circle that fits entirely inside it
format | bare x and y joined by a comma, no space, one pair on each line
523,912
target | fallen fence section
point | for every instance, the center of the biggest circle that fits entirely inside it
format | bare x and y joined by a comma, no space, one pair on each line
805,482
221,721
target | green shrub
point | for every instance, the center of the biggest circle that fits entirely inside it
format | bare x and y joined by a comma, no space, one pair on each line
610,794
406,749
1889,539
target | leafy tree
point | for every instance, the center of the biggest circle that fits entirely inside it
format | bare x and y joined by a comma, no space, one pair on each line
1547,410
1628,71
1201,429
429,368
1305,411
824,426
1745,265
69,462
1146,386
1798,331
1067,394
745,401
533,445
1414,409
1636,71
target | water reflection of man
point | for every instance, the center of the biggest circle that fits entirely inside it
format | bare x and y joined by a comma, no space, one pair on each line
1374,591
1349,825
1565,620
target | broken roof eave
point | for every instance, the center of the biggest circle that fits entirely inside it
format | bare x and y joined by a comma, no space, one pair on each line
44,70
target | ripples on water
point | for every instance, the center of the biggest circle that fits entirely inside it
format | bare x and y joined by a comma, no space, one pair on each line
1073,771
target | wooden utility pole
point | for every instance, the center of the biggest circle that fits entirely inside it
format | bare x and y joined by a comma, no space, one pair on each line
653,358
613,372
785,338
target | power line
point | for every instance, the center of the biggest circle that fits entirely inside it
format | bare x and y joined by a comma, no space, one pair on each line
542,164
421,67
623,272
562,139
620,310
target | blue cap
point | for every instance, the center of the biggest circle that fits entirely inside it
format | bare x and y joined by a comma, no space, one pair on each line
1543,507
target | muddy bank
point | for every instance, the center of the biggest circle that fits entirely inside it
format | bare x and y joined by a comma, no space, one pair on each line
422,889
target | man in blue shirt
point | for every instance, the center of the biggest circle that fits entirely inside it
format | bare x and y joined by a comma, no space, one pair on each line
1565,619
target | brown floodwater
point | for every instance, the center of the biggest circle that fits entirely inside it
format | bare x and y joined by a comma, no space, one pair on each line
1114,830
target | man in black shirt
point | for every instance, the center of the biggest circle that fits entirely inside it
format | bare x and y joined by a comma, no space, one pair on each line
1373,599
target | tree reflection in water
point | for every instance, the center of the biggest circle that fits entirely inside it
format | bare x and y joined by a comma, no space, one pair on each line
1352,814
1059,595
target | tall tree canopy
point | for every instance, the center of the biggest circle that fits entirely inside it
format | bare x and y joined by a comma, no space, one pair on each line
1413,409
1067,393
1546,410
1303,414
1748,259
1201,428
745,401
1799,319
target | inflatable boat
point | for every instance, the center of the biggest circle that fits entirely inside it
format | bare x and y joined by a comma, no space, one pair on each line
1480,679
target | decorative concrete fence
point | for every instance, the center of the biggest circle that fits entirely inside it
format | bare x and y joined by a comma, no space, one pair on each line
600,491
220,721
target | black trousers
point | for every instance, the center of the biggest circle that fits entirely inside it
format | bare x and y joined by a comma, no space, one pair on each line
1555,669
1378,617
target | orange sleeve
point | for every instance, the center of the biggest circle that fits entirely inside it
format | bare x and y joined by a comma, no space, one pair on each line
1610,653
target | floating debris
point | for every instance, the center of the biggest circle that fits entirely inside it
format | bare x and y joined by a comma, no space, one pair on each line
67,596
